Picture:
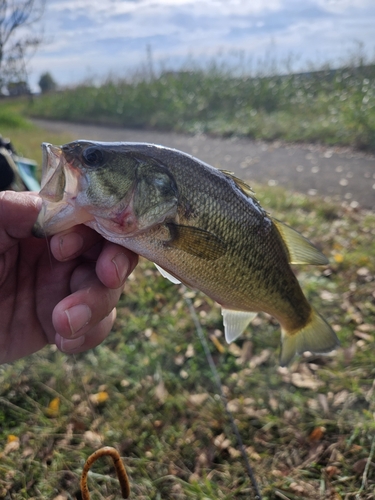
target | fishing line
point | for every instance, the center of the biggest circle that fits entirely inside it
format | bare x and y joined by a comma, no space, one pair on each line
202,338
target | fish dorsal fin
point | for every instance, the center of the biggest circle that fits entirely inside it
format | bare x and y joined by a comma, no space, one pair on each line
301,250
242,185
167,275
195,241
235,323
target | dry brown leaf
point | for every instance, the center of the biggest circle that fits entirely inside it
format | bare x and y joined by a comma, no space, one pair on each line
233,405
305,381
340,398
332,470
297,488
260,359
360,466
222,442
317,434
27,452
246,352
11,446
323,401
219,346
161,392
233,452
366,327
363,335
198,399
93,439
235,350
189,351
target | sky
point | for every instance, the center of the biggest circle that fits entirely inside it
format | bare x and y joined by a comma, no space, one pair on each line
90,39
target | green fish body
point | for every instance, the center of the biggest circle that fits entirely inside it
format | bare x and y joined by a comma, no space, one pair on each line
199,225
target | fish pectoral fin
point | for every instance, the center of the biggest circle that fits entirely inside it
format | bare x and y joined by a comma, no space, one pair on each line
167,275
317,337
300,249
235,323
195,241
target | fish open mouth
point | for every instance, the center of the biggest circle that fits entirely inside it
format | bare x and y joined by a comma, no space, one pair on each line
60,186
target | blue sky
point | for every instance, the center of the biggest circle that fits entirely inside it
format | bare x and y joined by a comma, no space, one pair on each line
92,38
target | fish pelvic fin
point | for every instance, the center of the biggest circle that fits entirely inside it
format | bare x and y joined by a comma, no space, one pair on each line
300,249
316,336
235,323
167,275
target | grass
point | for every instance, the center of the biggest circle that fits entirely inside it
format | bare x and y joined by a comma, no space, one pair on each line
147,390
332,107
25,136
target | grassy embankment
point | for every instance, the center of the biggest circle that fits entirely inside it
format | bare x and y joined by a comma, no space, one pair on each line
332,107
308,430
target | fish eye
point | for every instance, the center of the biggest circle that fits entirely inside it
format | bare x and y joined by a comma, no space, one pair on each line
93,156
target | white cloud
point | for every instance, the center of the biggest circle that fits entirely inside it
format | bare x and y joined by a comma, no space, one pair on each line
101,35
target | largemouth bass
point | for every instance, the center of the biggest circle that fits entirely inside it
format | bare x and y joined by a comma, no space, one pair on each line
199,225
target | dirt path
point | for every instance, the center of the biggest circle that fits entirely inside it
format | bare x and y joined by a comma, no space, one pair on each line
339,174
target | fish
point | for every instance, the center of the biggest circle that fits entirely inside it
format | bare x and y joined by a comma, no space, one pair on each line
201,226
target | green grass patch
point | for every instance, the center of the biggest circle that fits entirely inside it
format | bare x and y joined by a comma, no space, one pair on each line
328,106
148,390
25,136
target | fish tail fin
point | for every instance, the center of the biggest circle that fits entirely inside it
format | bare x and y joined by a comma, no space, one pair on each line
316,336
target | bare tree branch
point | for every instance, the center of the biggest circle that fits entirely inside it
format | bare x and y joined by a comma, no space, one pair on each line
16,17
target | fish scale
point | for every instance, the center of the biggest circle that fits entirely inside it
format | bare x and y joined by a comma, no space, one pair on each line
199,225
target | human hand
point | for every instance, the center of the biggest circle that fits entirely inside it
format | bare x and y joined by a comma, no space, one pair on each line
64,292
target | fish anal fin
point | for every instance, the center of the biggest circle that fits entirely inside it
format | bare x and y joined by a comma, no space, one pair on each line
317,337
235,323
301,250
195,241
167,275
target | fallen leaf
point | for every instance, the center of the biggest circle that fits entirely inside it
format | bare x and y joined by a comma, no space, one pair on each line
11,446
11,438
190,351
305,381
93,439
219,346
338,257
161,392
198,399
331,471
360,465
340,398
259,360
99,398
222,442
53,407
317,434
363,335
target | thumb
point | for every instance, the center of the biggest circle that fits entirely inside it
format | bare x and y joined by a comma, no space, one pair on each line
18,213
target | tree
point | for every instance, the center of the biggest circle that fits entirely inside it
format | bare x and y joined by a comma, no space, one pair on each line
47,83
16,40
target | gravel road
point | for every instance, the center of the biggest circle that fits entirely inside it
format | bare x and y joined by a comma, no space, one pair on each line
339,174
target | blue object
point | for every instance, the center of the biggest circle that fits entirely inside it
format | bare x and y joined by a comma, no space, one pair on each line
27,171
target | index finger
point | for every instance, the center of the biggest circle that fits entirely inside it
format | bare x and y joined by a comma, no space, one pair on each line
18,213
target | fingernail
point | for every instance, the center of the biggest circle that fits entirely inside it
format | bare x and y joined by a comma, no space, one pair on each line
70,244
78,317
38,202
121,263
68,345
